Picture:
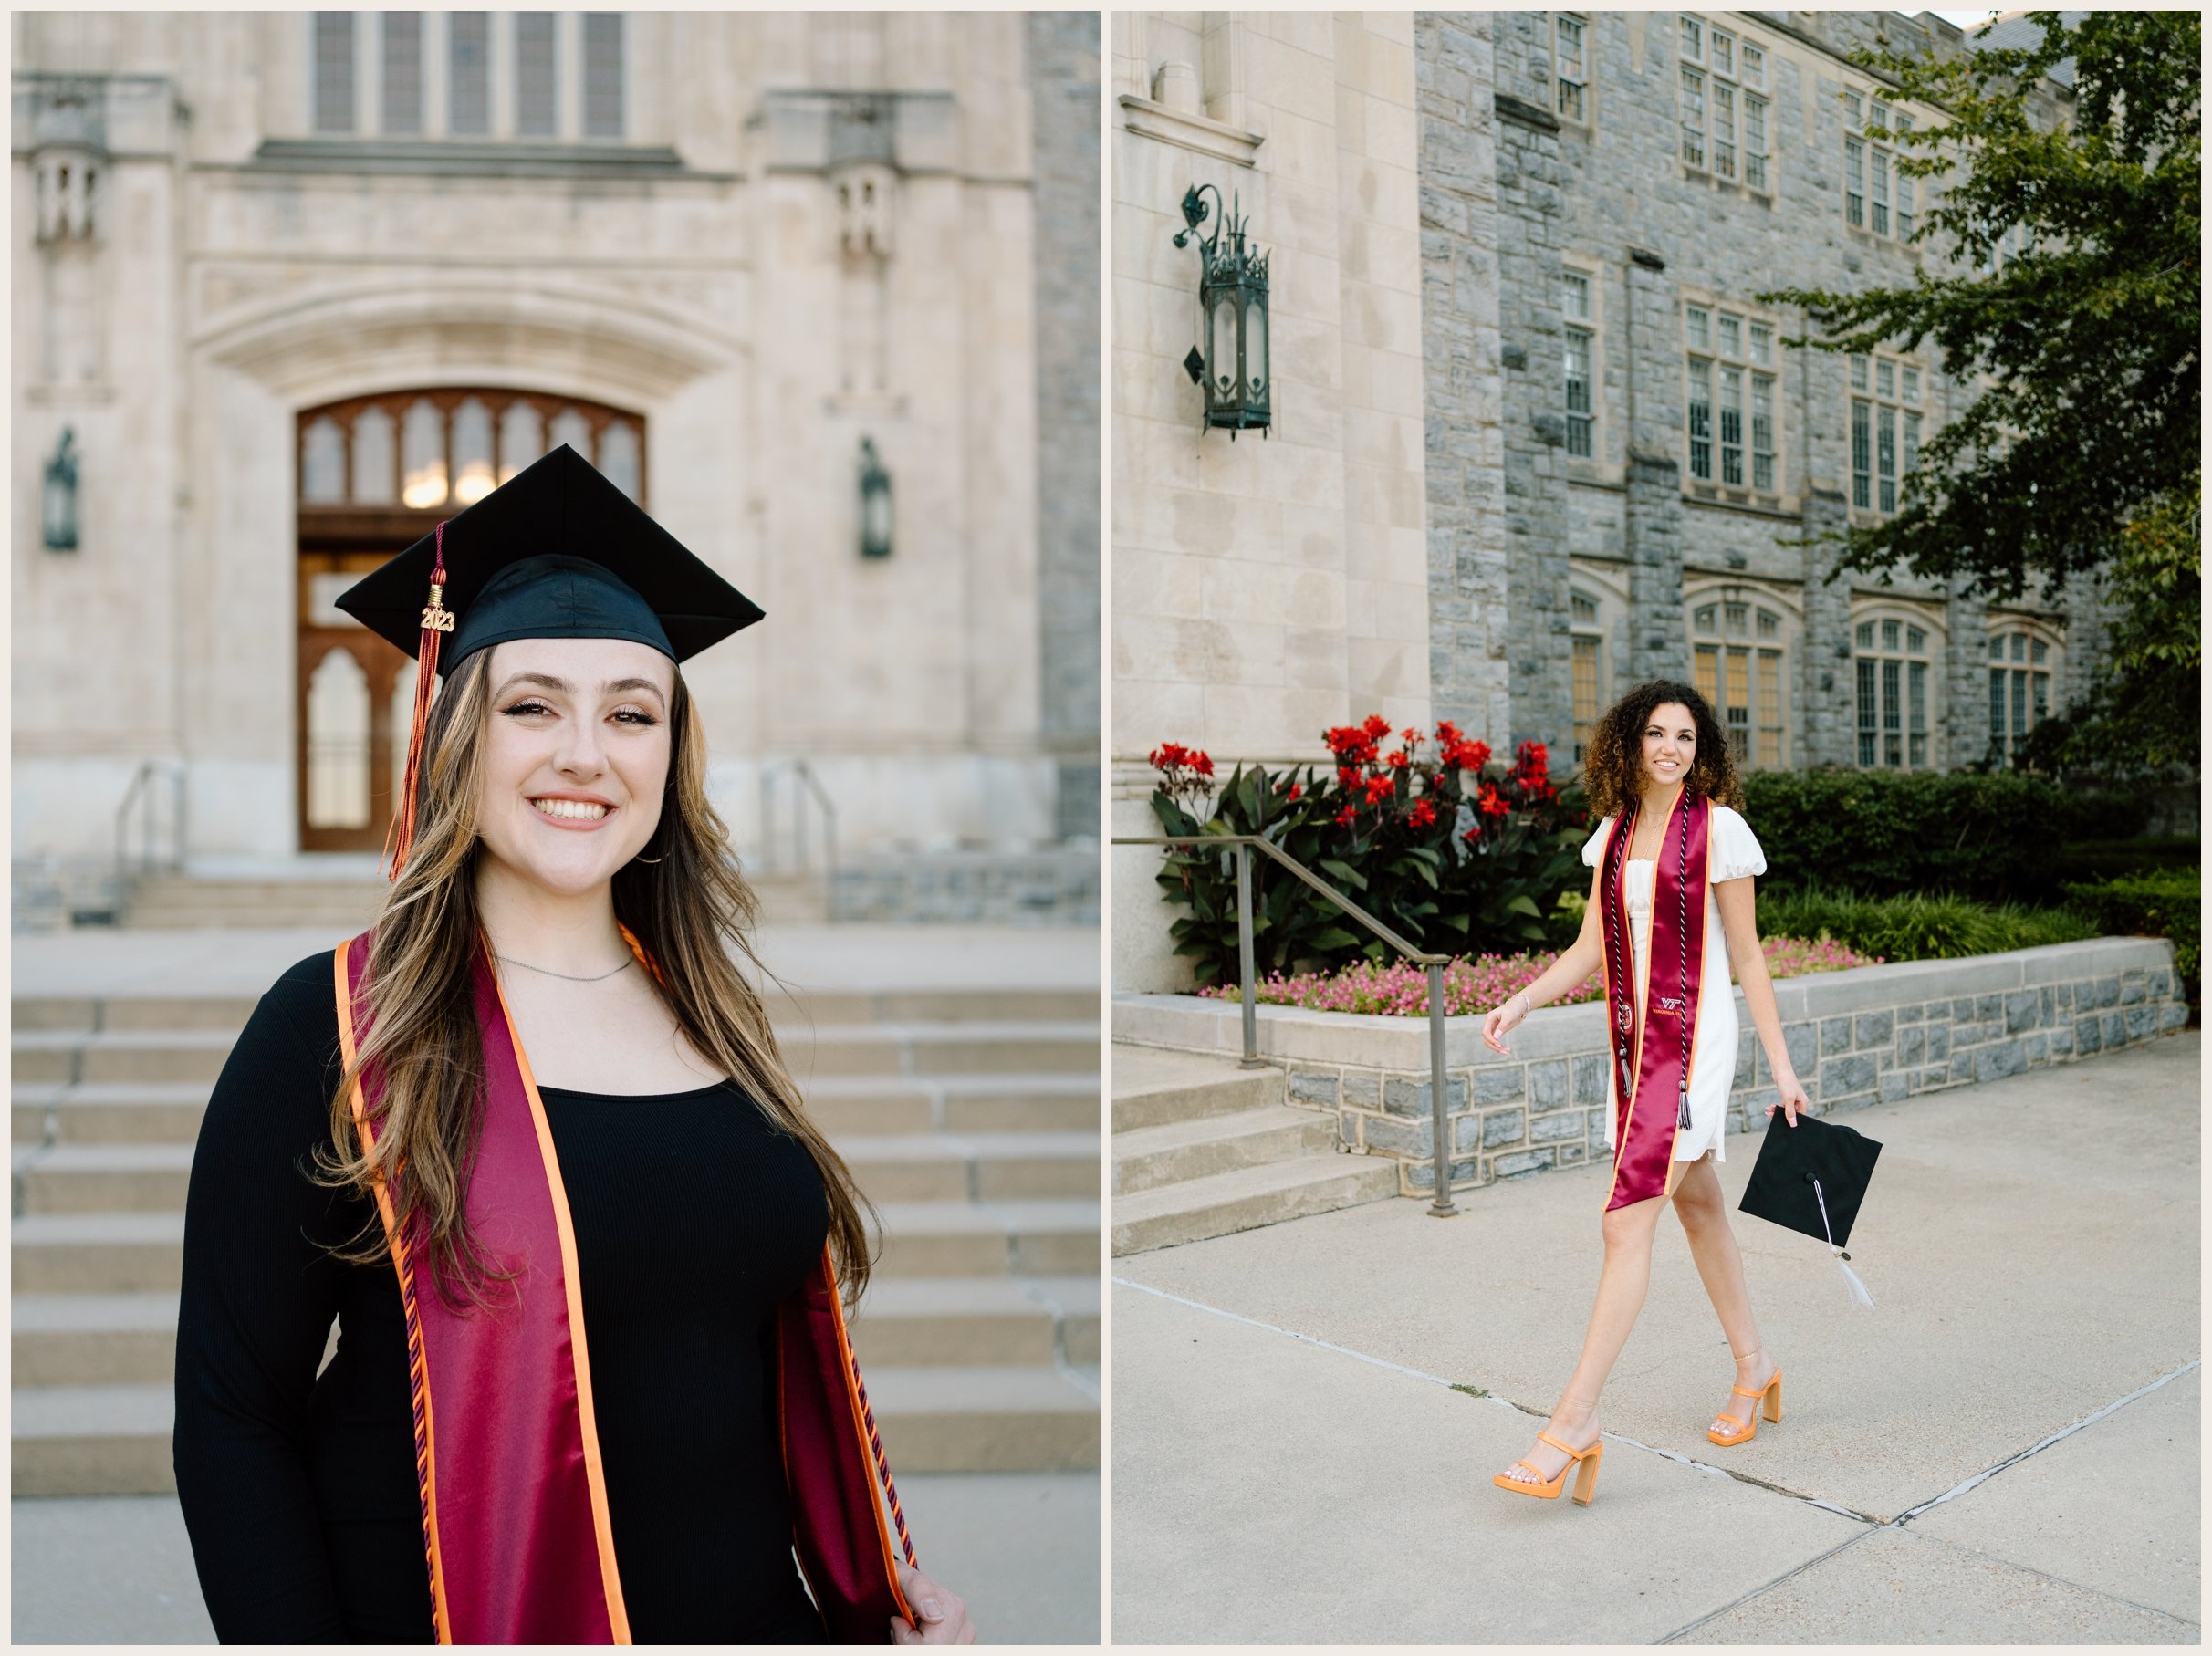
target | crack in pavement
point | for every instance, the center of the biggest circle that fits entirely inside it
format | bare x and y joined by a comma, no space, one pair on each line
1849,1541
1872,1522
2090,1419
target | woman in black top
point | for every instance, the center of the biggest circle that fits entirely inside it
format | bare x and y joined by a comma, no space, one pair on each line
554,821
302,1497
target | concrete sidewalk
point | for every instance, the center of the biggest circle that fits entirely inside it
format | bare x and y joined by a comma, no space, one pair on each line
1022,1548
2005,1450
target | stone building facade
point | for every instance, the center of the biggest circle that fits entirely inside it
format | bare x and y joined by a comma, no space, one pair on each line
311,280
1264,587
1668,461
1623,466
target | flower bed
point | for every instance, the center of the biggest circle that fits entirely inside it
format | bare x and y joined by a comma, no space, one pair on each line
1472,986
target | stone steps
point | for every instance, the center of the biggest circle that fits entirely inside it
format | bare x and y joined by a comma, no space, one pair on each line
120,1012
1248,1197
343,904
127,1252
922,1167
1149,1157
114,1439
1153,1087
127,1112
102,1339
968,1117
1203,1148
1049,1045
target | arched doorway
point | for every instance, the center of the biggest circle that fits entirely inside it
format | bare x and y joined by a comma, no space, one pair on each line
374,475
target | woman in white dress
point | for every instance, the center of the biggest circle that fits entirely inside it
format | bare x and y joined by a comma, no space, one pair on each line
1659,756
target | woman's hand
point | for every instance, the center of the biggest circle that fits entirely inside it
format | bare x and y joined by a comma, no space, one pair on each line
1792,1097
1502,1018
943,1615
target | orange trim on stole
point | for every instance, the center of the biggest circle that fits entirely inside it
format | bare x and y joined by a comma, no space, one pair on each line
398,1249
595,1477
860,1427
1642,1002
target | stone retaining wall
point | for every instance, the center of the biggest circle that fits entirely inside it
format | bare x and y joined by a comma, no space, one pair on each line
1871,1035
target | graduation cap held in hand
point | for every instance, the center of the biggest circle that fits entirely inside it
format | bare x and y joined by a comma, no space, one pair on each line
1811,1178
555,552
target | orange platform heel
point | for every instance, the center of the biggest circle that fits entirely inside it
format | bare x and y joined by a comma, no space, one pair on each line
1587,1459
1771,1392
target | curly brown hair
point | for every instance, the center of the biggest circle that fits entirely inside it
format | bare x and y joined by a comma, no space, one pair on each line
1614,764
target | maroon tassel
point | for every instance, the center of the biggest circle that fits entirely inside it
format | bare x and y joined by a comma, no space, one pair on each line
437,621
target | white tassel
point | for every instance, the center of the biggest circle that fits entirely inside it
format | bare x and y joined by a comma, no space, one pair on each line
1852,1285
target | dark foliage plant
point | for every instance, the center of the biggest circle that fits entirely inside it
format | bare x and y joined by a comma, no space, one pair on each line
1995,837
2164,902
1417,827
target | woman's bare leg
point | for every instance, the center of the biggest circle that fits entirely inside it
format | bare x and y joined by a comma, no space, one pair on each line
1621,1285
1704,1212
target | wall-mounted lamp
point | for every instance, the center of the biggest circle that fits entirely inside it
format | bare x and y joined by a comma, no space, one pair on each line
876,503
59,508
1229,362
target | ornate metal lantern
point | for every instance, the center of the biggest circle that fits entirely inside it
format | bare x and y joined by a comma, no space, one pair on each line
1229,363
876,503
58,510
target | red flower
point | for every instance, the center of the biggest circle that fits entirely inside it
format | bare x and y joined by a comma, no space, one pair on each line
1448,733
1533,758
1380,788
1201,764
1462,755
1474,833
1400,759
1347,775
1492,803
1295,791
1375,726
1421,815
1348,815
1410,735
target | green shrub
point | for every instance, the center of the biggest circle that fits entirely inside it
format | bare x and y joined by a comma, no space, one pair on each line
1885,833
2163,904
2089,861
1915,926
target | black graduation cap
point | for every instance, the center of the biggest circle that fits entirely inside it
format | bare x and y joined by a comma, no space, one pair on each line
556,551
1811,1178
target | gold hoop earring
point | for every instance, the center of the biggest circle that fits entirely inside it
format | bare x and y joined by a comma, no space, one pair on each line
662,858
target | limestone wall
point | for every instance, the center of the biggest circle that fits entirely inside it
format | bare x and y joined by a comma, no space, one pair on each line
1264,588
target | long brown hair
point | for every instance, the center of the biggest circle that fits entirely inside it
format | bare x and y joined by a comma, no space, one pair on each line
693,913
1612,764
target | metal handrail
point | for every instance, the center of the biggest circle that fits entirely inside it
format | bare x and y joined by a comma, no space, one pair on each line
809,785
139,796
1439,1094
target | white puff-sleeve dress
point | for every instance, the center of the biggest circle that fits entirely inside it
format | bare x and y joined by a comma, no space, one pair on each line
1731,852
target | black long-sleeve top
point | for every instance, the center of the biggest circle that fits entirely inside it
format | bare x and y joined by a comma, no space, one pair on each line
694,1217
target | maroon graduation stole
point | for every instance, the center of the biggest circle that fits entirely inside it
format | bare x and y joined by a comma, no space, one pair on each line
1651,1076
514,1524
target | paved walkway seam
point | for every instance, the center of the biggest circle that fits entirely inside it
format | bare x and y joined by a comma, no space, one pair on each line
1823,1557
2095,1592
2091,1418
1437,1380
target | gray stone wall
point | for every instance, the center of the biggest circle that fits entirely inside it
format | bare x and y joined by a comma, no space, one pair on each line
1879,1040
1064,90
1470,680
1598,193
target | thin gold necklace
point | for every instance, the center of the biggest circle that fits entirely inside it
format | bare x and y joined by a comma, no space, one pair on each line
569,978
